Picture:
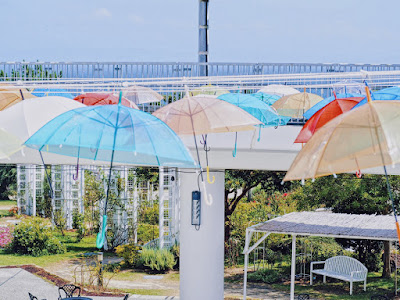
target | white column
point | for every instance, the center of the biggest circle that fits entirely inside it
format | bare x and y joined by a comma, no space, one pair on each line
202,251
293,271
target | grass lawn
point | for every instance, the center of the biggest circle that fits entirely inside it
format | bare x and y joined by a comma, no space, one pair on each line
74,249
148,292
8,203
336,289
137,275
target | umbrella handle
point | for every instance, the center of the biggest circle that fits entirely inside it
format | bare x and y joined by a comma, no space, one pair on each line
102,234
76,175
235,150
398,230
259,134
208,176
358,174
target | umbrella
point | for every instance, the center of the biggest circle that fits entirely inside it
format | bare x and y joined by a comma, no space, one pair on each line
10,95
203,115
362,138
392,93
267,98
324,115
103,99
140,95
256,108
296,104
42,92
113,133
348,86
9,144
309,113
209,89
279,90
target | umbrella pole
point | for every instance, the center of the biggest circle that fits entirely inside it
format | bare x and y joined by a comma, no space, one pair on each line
391,199
198,156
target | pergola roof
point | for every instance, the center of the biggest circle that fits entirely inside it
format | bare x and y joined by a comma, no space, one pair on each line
371,227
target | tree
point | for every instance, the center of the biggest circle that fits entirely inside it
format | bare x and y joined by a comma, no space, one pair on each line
8,182
348,194
238,183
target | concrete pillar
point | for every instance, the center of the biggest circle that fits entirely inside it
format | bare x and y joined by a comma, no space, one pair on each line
202,251
203,37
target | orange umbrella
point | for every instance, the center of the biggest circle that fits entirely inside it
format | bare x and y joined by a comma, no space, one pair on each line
324,115
103,99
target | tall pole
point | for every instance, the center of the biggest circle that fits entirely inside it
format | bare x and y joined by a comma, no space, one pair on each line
203,37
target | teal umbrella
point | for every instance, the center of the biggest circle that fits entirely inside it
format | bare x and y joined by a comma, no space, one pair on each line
267,98
113,133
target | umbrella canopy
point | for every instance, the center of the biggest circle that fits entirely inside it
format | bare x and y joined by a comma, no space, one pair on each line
267,98
9,144
52,92
358,139
10,95
140,95
103,99
209,89
279,90
324,115
392,93
112,133
296,104
309,113
256,108
203,115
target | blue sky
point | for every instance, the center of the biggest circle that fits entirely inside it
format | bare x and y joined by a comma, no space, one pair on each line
353,31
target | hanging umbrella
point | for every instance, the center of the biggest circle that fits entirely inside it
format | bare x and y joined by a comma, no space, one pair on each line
9,144
209,89
103,99
324,115
267,98
140,95
392,93
279,90
296,104
349,86
310,112
42,92
361,138
10,95
203,115
113,133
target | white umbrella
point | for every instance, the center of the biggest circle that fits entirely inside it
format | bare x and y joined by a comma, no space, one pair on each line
279,90
140,95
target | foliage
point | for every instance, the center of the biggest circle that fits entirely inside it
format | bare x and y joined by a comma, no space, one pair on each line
149,213
43,204
8,182
147,233
94,192
130,253
78,223
264,275
175,250
34,236
60,221
5,237
158,260
13,211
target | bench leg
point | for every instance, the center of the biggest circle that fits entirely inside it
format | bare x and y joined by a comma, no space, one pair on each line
365,285
310,277
324,279
351,287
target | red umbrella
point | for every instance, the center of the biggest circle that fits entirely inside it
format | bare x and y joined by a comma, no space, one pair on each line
324,115
103,99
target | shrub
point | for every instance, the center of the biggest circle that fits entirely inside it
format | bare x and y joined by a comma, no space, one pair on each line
60,221
13,211
147,233
264,275
175,250
34,236
78,223
159,260
5,237
130,254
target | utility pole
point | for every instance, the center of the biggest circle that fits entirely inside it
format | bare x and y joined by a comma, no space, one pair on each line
203,37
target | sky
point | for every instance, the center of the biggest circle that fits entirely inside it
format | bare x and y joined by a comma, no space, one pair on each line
265,31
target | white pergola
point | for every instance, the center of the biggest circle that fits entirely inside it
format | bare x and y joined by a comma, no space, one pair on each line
324,224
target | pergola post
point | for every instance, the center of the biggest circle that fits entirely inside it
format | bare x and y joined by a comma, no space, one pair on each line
293,267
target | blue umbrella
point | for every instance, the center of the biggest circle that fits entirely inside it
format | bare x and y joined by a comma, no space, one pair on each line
267,98
112,133
257,109
309,113
52,92
392,93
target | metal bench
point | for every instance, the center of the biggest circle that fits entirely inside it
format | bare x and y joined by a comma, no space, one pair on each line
343,268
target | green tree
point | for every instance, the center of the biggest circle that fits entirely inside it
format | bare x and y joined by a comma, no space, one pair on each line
8,182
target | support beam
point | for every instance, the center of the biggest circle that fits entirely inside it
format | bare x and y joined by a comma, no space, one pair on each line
202,250
203,37
293,269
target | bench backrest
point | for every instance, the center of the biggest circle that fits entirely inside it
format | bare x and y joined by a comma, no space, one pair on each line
346,265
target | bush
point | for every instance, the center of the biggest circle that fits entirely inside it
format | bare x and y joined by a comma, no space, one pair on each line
5,237
147,233
130,254
78,223
159,260
34,236
264,275
175,250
